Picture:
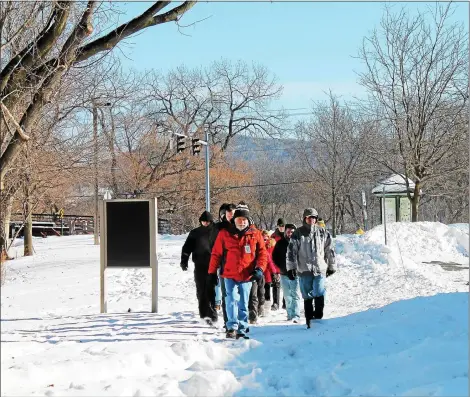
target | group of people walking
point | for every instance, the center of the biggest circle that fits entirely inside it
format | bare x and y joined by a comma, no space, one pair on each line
236,265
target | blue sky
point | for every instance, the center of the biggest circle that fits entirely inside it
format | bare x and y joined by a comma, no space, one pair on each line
309,46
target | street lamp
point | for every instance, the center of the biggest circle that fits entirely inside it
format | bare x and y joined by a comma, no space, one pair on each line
96,105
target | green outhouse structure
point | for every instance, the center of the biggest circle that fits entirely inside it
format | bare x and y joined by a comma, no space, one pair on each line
392,192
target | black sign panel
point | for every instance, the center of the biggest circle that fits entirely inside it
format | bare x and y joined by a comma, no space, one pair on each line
128,233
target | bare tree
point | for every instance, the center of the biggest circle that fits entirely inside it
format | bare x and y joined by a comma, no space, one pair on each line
275,192
226,98
182,101
446,198
332,147
243,97
36,70
37,55
417,78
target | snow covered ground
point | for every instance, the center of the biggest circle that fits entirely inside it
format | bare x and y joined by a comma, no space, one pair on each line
396,323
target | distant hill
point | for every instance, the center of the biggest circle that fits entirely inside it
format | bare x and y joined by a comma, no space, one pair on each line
248,148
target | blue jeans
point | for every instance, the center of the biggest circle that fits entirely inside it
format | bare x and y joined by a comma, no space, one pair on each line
312,286
218,291
236,304
291,292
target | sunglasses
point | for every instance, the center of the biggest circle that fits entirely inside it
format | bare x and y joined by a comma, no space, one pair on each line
312,217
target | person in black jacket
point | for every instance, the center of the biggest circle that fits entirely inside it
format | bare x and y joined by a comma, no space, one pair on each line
290,288
198,244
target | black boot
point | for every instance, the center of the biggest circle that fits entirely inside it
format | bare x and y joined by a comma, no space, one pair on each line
308,308
319,305
231,334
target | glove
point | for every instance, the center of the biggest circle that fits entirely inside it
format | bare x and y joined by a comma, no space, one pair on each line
276,277
292,274
330,272
257,275
212,279
184,266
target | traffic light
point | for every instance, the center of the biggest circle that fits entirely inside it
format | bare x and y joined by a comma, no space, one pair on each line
196,145
180,143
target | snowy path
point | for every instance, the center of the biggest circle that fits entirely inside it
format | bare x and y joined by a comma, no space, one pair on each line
54,342
155,355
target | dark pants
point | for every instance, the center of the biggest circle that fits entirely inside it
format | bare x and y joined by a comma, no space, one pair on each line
257,299
276,292
224,295
313,292
206,300
267,291
276,286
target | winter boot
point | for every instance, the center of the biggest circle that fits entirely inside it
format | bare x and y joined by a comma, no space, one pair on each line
319,305
308,308
239,336
252,317
231,334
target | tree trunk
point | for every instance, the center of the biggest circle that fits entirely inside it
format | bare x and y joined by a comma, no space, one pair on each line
28,235
28,224
334,213
5,211
113,157
7,217
341,216
353,213
415,202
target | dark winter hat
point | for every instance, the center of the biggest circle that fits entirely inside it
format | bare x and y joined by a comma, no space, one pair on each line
310,212
222,210
290,226
242,210
280,222
206,216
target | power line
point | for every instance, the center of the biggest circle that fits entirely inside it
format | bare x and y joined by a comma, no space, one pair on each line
273,110
299,114
220,188
264,184
258,150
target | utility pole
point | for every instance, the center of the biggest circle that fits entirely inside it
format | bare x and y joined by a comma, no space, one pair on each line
95,164
208,198
384,215
364,209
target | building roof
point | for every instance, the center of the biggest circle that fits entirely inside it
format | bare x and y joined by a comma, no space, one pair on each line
394,184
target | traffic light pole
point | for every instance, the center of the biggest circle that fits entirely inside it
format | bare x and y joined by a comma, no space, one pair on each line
195,144
208,201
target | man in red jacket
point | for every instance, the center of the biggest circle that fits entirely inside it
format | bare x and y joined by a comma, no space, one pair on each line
241,247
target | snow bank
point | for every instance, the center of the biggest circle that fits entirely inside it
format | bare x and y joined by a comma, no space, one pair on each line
415,347
420,259
424,241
